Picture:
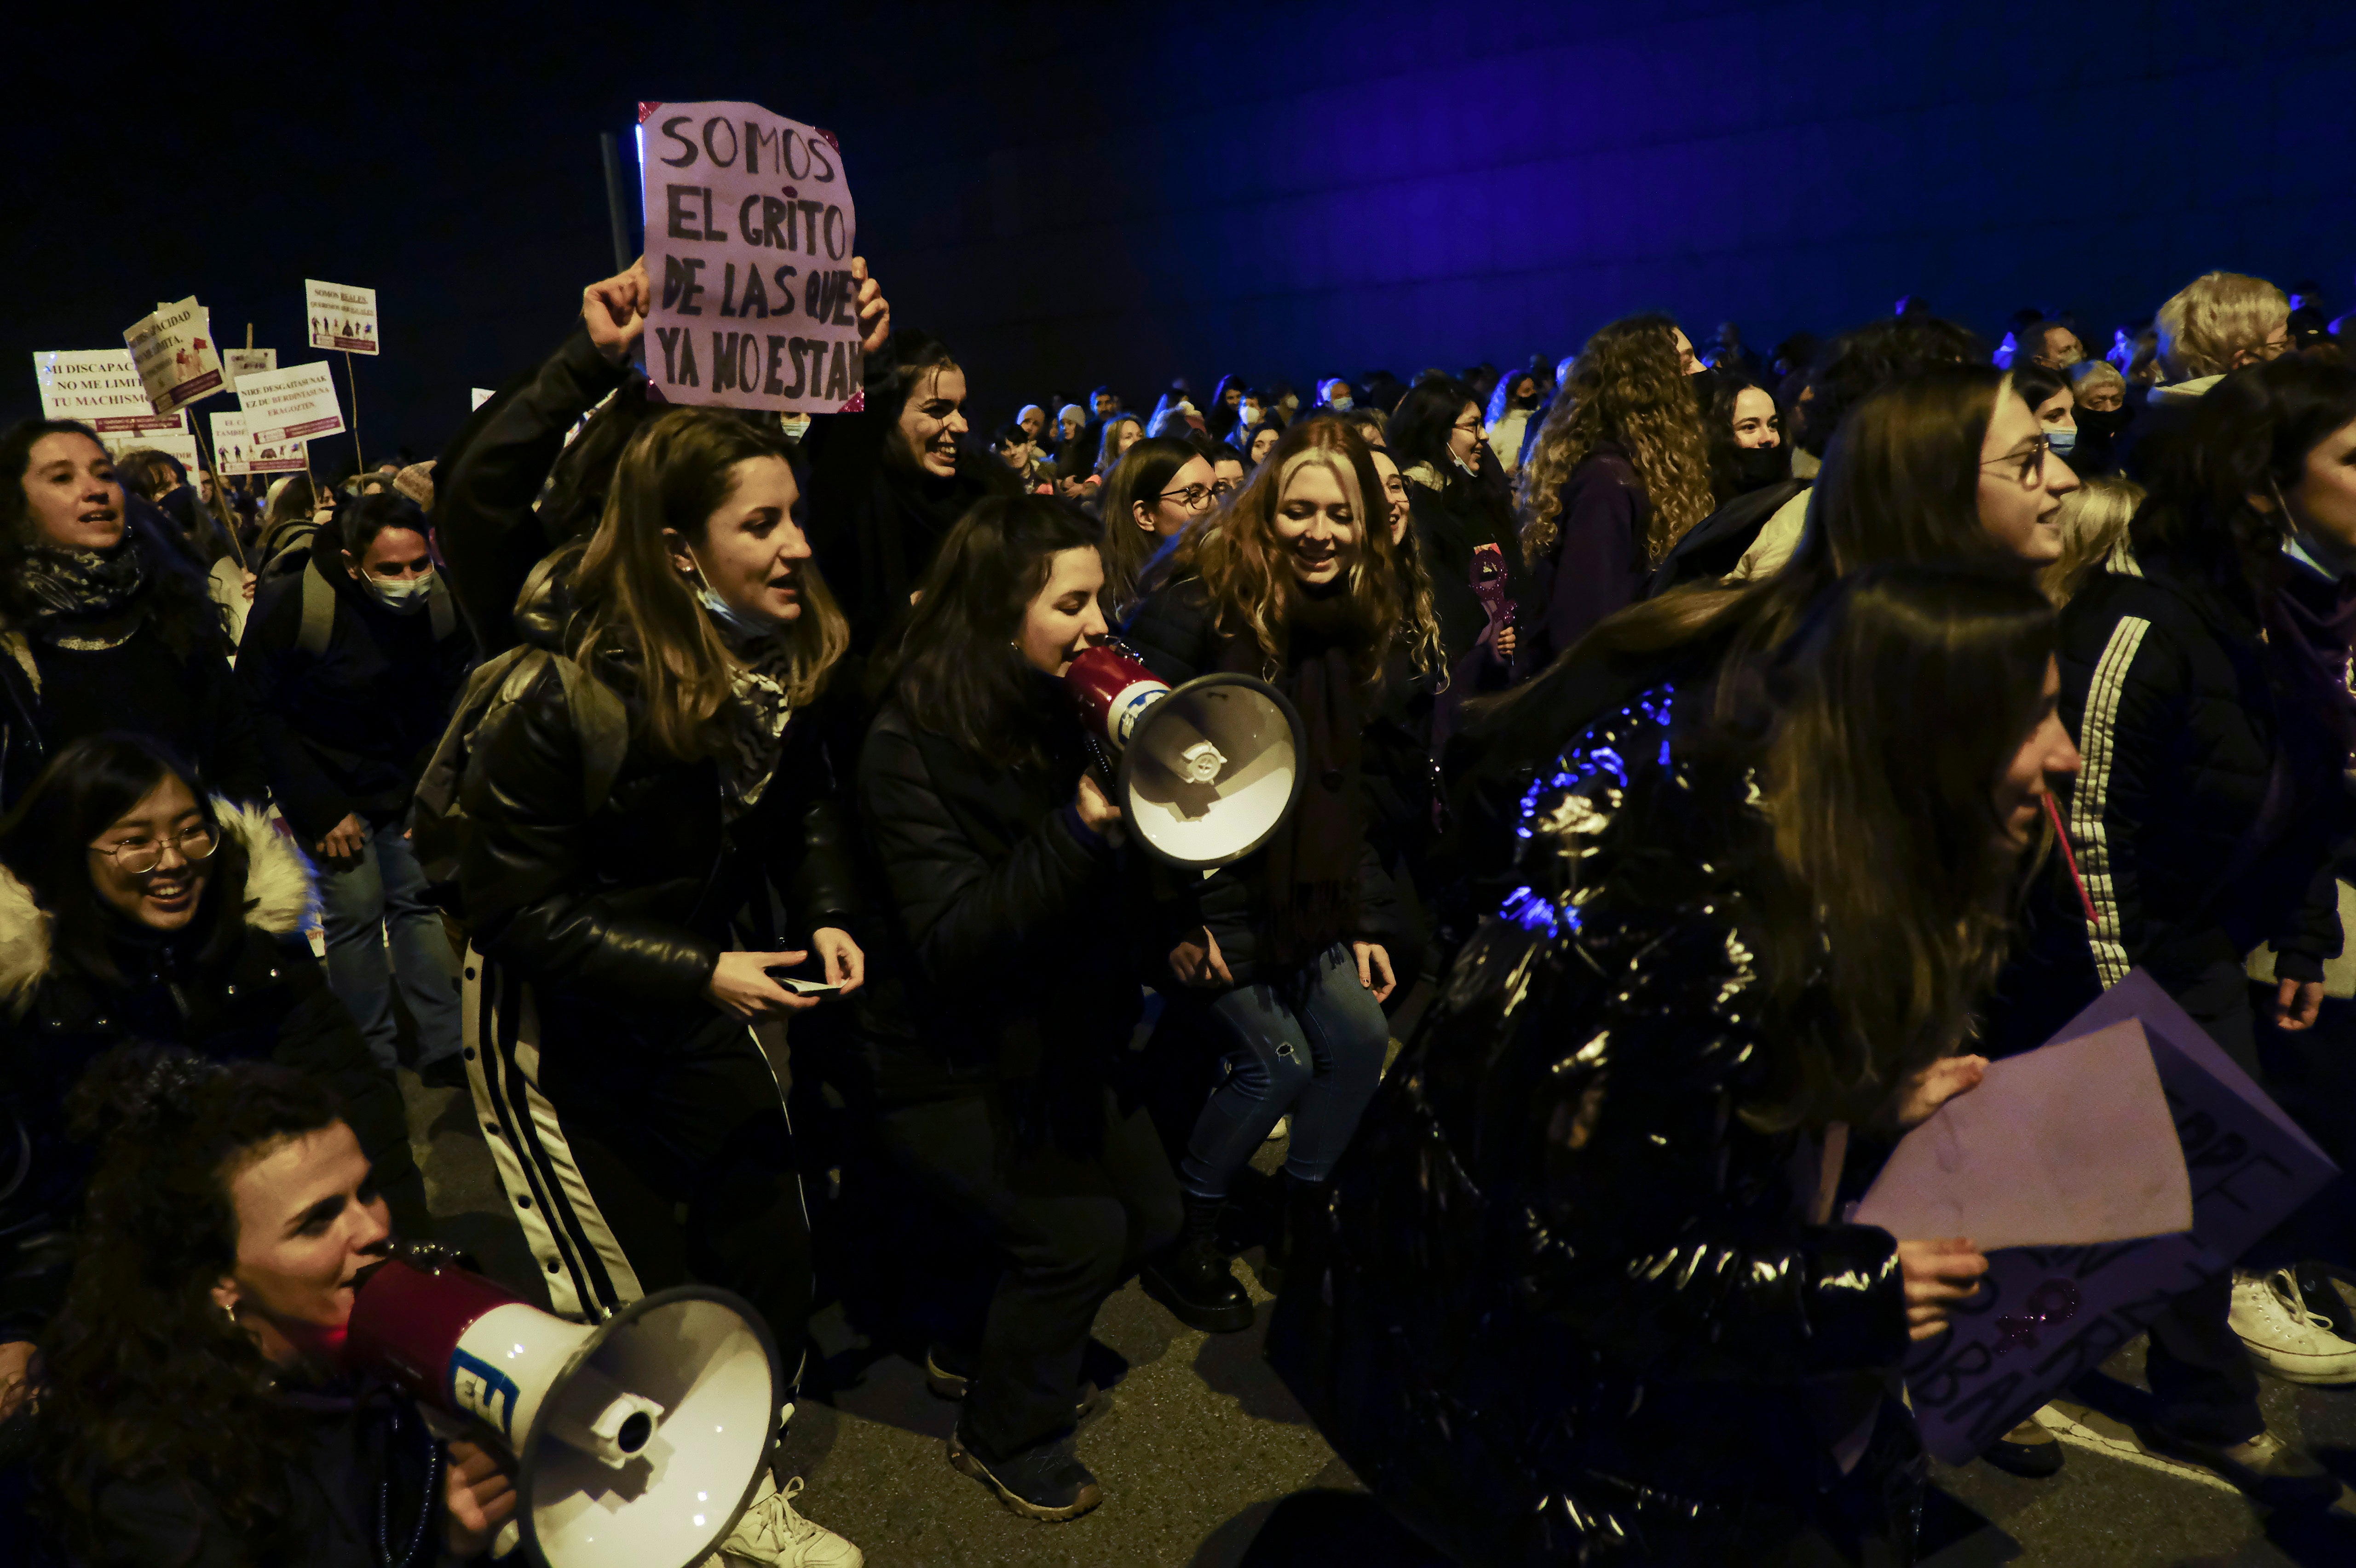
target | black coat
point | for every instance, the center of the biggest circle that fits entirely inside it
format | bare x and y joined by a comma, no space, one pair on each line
2211,815
1451,521
1714,547
52,695
1176,632
618,914
348,729
266,999
1562,1292
367,1472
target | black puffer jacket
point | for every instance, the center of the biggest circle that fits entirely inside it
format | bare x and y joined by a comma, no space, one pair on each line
1176,632
1563,1298
267,999
2211,815
346,731
1007,947
617,913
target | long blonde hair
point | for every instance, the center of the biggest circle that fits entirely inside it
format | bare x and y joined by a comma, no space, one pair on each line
1242,566
2093,521
637,607
1629,389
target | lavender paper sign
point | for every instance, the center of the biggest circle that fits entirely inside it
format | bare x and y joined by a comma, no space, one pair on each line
2050,1314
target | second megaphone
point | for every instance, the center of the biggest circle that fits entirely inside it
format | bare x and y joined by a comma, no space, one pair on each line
637,1441
1207,772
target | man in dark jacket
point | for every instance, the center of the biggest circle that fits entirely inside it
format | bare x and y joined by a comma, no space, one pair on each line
351,665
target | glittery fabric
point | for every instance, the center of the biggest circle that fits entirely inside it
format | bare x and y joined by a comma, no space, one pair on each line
1562,1306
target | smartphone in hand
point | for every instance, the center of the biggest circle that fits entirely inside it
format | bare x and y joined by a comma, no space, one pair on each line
797,986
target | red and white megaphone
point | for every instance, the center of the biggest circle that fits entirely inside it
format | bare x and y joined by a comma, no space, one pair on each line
637,1441
1207,772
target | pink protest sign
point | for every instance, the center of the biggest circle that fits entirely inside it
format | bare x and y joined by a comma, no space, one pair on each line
2051,1313
750,229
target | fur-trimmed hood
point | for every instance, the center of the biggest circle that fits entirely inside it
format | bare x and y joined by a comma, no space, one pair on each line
281,897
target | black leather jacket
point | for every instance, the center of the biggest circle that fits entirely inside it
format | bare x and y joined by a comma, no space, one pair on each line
618,915
1564,1304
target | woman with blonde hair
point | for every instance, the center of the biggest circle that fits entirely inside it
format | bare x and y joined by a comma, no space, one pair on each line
657,765
1286,952
1619,471
2093,521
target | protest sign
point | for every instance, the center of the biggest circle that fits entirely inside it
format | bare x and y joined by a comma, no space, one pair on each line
99,387
294,404
180,443
174,350
238,453
749,234
342,316
238,362
2048,1314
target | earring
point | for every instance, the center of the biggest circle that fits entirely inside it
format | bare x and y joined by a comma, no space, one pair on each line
229,1310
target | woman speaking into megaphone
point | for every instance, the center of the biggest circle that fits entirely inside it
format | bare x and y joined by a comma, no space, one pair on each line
1288,946
190,1412
1013,984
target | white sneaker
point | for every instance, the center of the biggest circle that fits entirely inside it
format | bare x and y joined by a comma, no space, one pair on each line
771,1533
2295,1344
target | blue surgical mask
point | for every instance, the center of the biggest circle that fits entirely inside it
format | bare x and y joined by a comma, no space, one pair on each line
738,626
2062,438
402,595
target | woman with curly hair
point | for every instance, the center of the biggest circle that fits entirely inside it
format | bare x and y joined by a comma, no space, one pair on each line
1619,471
1286,952
190,1412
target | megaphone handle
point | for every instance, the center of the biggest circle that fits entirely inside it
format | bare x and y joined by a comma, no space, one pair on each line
1101,763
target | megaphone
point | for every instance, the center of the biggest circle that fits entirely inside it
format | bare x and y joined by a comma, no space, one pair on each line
1207,772
637,1441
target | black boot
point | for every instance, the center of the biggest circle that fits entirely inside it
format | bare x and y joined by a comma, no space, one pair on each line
1305,1206
1193,1278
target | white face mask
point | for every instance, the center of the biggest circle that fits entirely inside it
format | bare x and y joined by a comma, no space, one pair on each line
402,595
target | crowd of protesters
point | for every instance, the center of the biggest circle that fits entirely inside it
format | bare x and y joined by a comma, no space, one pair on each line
1703,756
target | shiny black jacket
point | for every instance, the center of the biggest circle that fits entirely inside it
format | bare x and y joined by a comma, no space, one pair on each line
618,914
1563,1304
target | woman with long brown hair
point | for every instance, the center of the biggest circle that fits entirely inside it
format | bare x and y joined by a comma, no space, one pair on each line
1619,471
1287,951
1570,1297
658,767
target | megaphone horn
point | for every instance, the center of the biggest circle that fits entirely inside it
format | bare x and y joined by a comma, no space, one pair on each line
1207,772
637,1441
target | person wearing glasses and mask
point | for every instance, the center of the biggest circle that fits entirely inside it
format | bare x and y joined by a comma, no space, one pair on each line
134,907
351,665
1160,485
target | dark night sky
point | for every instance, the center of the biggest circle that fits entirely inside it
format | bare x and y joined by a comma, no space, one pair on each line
1071,194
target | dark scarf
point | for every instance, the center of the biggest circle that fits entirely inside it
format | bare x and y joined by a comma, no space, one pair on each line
84,582
2312,622
1310,867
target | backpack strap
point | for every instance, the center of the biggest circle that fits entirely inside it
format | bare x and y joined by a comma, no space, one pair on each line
442,610
319,611
602,723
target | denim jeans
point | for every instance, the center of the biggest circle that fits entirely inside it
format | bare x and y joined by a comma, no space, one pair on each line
385,893
1310,1043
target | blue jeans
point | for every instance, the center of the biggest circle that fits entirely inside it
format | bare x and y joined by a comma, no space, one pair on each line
1312,1043
385,892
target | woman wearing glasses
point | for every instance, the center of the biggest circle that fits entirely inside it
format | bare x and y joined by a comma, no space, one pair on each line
134,907
1458,506
1160,484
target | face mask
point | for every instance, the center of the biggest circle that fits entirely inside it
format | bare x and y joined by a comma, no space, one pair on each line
738,626
1756,467
402,595
1250,416
2061,440
1340,405
2103,424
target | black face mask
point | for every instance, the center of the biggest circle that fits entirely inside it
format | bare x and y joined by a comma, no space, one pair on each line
2103,424
1756,467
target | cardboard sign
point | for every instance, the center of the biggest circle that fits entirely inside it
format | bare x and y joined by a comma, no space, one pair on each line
174,350
238,362
2048,1313
342,316
750,230
237,452
180,443
294,404
99,387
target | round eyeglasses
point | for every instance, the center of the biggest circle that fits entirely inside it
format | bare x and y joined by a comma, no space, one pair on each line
138,857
